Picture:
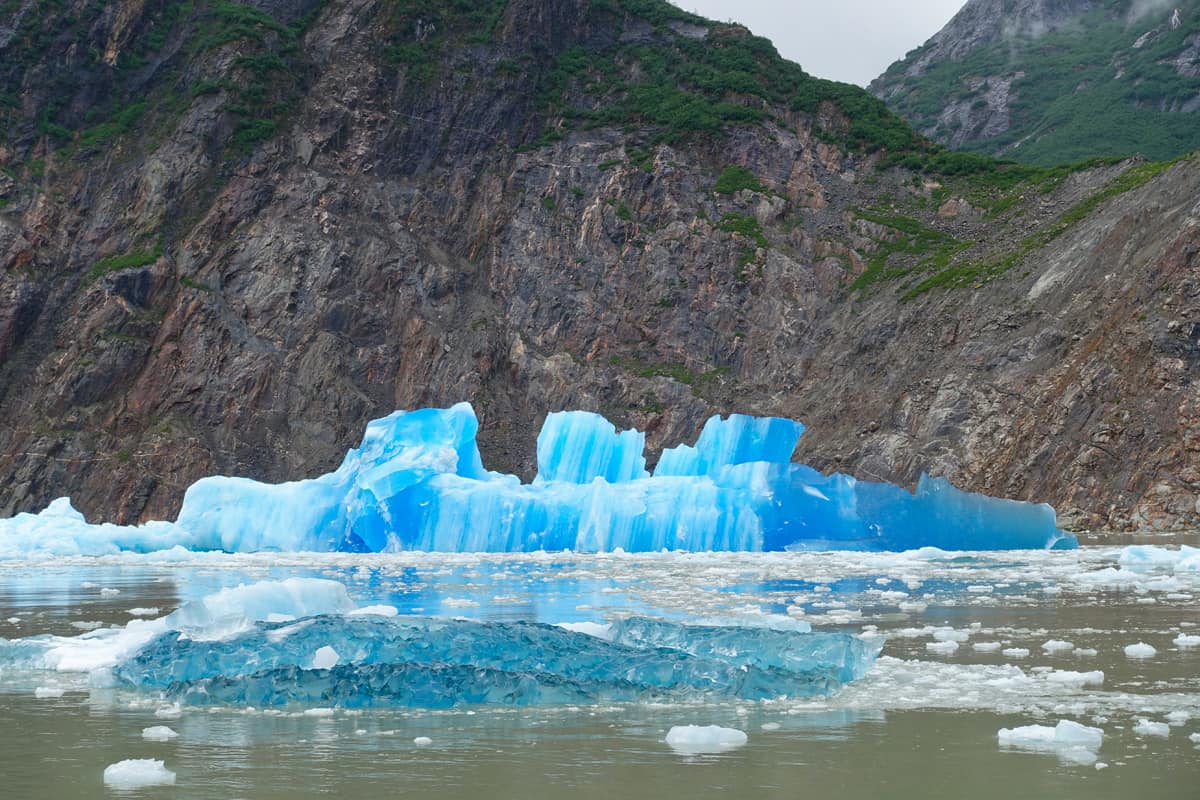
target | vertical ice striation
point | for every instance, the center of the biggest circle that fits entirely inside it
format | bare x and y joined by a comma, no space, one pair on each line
739,439
417,482
578,447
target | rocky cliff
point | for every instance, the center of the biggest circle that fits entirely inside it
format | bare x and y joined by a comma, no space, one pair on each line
231,234
1049,81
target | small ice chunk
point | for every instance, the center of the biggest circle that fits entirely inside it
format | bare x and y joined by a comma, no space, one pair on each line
325,658
86,625
44,692
143,611
1101,765
1140,650
771,726
951,635
1070,741
1058,646
1194,738
1015,652
1145,727
1069,678
912,606
13,620
942,648
318,712
987,647
158,733
704,738
1086,652
1186,640
138,772
1178,717
422,741
169,712
106,592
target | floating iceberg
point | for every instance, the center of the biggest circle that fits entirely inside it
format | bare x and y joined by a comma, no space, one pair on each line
248,646
417,482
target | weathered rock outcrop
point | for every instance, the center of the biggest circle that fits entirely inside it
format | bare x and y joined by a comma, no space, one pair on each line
175,304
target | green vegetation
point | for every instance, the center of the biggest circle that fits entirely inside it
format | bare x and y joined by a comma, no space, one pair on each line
744,226
931,248
971,273
1079,92
674,371
549,203
192,283
684,87
734,179
135,258
262,84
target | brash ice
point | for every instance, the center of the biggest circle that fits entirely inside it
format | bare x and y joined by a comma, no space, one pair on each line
418,482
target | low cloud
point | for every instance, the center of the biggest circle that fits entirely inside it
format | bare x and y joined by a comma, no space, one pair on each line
1142,8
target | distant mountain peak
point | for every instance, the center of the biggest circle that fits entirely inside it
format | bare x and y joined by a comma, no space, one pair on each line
1051,80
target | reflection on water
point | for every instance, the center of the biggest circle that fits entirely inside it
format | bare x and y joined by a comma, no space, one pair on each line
922,724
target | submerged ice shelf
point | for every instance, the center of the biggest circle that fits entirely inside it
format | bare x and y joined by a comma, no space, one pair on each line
302,641
418,482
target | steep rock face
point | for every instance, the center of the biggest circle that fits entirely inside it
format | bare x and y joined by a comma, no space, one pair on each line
202,295
1045,81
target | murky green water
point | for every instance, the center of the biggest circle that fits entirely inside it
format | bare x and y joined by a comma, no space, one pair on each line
923,724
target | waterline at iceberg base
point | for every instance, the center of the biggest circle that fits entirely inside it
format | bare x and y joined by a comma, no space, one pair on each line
418,482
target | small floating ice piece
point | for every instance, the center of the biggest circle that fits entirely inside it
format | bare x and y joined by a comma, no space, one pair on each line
143,611
319,712
695,739
1145,727
1178,717
1085,652
1186,640
942,648
1194,738
47,692
1070,741
1140,650
987,647
1069,678
1015,652
1058,646
136,772
158,733
422,741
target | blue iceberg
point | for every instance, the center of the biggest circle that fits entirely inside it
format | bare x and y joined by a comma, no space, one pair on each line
417,482
303,641
437,663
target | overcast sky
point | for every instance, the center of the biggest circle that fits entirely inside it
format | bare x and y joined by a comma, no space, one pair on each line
846,40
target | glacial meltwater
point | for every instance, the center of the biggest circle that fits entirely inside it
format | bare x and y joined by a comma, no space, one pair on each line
1026,673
